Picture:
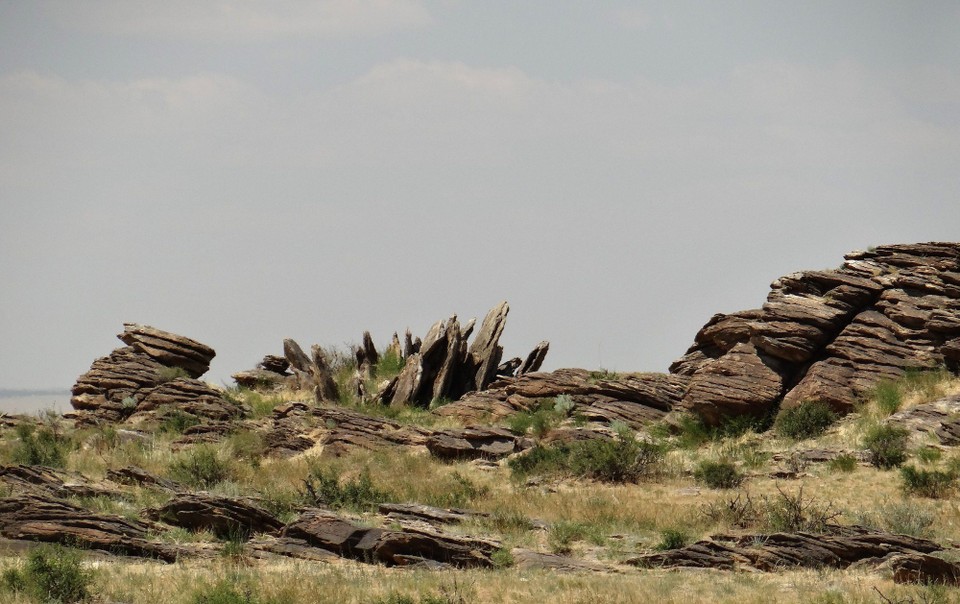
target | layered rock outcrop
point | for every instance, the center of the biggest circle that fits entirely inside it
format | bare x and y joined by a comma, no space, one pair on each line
156,371
829,335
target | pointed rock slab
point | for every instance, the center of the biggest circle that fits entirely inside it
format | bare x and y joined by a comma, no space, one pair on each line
741,382
325,389
168,349
839,548
485,350
36,517
534,360
326,531
474,443
224,516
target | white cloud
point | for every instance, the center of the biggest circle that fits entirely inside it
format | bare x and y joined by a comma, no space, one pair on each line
241,20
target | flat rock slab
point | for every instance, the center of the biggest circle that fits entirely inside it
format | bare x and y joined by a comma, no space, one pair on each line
55,482
168,348
525,559
224,516
132,475
925,569
840,548
476,442
427,513
940,418
323,530
42,518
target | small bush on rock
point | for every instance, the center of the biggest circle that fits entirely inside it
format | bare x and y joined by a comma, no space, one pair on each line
887,445
324,487
807,420
672,539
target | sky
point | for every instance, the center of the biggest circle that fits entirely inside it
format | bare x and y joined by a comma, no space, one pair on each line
245,171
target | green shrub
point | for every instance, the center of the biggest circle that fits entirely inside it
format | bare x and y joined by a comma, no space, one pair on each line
201,467
887,445
502,558
225,592
43,447
52,574
168,374
888,397
927,483
692,432
844,462
459,492
900,518
624,459
390,365
672,538
564,532
718,474
791,513
176,421
928,455
324,487
806,420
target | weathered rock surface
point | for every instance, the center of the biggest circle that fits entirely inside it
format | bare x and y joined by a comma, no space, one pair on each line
312,373
925,569
526,559
142,377
53,482
940,418
224,516
475,442
168,349
337,429
33,517
426,513
840,548
320,529
133,475
829,335
636,398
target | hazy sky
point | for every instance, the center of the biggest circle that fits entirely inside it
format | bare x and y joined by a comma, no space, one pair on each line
245,171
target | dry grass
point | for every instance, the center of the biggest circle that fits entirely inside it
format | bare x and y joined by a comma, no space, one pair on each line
316,583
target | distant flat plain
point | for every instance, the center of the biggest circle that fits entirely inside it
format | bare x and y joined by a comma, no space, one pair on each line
34,401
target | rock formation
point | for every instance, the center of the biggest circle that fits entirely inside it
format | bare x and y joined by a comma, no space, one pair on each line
829,335
156,371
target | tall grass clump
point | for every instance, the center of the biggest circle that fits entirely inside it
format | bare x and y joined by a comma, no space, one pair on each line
807,420
888,397
323,486
624,459
887,445
718,474
201,467
52,573
933,484
44,446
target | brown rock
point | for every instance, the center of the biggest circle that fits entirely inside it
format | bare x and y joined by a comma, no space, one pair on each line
325,531
535,359
839,548
924,569
168,349
223,516
475,442
485,351
34,517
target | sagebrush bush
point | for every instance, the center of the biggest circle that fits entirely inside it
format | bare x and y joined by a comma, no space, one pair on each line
202,467
44,446
806,420
786,512
844,462
323,486
52,573
672,538
176,421
624,459
887,445
718,474
168,374
927,483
